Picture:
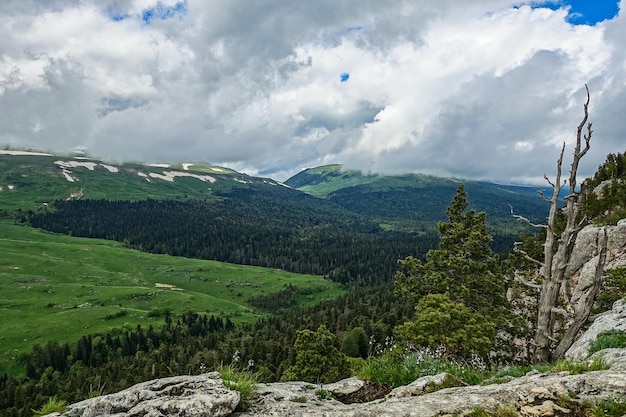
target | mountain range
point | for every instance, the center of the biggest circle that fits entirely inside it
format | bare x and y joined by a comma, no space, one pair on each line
411,202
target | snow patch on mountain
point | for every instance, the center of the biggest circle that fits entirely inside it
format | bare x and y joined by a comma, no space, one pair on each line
23,153
170,175
110,168
145,176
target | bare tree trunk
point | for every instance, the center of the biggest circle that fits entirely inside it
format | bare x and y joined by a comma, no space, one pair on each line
556,259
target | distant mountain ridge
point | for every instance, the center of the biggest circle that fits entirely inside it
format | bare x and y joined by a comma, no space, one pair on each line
410,200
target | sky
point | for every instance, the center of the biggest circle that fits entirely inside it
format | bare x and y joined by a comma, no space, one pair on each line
483,89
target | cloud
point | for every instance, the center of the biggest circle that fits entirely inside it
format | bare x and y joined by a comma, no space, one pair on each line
486,90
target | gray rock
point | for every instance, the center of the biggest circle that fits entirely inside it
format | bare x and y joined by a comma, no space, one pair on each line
183,396
420,385
614,319
205,395
532,393
345,387
585,250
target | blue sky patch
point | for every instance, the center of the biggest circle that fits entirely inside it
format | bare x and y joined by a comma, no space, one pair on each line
585,12
163,12
116,15
344,77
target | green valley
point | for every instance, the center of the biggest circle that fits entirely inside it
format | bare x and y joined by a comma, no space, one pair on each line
55,287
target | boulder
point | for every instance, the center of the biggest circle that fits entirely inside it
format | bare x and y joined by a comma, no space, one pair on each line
184,396
584,256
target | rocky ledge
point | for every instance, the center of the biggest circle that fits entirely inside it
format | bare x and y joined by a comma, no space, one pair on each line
205,395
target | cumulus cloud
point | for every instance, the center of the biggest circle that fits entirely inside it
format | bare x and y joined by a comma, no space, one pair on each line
487,90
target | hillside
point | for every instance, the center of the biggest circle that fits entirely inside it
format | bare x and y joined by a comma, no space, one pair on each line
50,283
29,180
417,201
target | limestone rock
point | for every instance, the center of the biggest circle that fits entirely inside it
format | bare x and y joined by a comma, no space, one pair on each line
584,258
345,387
420,385
533,393
184,396
614,319
205,395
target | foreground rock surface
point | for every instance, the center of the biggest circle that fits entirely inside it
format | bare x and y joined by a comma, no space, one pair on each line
532,395
201,395
205,395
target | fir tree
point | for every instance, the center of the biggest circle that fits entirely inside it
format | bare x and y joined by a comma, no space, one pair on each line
463,266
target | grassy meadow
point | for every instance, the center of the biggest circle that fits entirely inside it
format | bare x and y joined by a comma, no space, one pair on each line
56,287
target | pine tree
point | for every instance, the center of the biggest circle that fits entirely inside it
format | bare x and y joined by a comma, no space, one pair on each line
460,292
463,266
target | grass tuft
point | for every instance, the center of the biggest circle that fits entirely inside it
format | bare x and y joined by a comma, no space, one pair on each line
388,369
610,407
608,339
53,405
242,381
579,367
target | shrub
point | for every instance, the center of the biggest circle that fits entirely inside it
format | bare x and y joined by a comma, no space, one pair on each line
466,333
317,358
608,339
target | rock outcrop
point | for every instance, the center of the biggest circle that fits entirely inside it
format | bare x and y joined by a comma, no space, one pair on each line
201,395
205,395
584,259
614,319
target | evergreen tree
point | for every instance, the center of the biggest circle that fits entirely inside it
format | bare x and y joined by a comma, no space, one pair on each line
317,358
463,266
441,322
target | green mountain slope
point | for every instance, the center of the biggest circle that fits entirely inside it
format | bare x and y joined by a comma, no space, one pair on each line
29,181
416,200
55,287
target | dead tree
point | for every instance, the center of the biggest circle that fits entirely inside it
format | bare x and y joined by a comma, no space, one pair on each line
557,251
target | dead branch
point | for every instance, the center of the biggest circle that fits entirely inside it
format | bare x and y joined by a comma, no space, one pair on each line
526,283
525,219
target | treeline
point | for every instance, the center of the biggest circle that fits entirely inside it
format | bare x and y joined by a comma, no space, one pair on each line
99,364
191,344
605,193
285,230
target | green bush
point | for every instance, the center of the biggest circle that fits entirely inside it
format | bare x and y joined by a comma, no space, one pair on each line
317,358
608,339
466,333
